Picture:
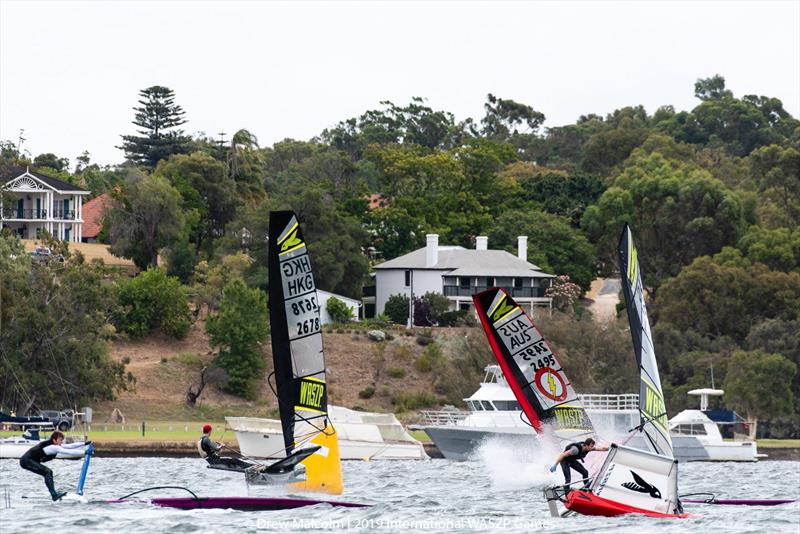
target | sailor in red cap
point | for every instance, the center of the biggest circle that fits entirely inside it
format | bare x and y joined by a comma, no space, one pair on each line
207,447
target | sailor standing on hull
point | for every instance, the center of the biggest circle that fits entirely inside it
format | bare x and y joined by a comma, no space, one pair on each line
569,460
45,451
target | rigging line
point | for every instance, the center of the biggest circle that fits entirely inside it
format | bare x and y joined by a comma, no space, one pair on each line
304,419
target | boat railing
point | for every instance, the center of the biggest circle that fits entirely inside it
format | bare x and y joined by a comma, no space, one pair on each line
441,417
627,401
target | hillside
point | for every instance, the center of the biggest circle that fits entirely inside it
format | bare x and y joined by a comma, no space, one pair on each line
163,369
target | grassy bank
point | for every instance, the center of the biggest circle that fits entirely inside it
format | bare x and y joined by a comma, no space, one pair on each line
778,443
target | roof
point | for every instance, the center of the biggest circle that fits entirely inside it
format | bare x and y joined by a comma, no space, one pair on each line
59,185
468,262
93,213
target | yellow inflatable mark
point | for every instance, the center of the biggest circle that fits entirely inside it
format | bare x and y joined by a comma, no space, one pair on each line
323,468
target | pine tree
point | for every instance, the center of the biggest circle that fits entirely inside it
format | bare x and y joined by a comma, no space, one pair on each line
157,117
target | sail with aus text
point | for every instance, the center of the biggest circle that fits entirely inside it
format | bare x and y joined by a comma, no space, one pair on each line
298,356
530,367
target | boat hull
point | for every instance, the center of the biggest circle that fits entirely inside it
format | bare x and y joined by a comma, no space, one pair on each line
248,504
460,443
587,503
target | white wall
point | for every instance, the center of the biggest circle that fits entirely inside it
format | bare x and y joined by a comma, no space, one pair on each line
322,299
390,282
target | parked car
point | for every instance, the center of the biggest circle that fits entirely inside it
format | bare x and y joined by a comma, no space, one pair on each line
61,420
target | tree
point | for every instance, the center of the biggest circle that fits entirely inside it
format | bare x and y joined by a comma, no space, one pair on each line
778,249
759,384
238,330
711,88
776,172
553,245
157,117
54,331
51,161
152,300
338,310
396,308
677,211
726,294
206,191
504,118
145,217
564,293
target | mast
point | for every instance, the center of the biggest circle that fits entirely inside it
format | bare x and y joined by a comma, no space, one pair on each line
529,365
652,409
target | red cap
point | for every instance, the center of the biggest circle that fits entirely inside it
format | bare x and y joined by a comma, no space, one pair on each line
206,429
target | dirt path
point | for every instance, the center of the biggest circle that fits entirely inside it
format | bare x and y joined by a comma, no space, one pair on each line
604,293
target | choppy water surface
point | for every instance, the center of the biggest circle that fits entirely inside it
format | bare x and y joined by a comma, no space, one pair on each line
495,492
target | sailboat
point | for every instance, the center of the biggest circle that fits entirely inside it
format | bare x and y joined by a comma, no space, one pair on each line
633,480
312,450
537,379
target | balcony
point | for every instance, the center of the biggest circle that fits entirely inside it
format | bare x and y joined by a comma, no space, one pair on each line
67,215
515,292
368,291
15,213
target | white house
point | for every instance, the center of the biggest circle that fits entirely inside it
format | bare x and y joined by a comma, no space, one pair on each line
40,202
323,296
459,273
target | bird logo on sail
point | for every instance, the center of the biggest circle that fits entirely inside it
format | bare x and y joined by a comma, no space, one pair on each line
503,308
642,486
291,241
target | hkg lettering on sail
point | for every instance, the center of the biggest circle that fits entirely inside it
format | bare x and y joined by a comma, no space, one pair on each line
298,286
312,395
296,266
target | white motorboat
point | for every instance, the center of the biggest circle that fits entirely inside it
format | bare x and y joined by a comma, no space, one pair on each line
495,413
16,446
362,436
699,439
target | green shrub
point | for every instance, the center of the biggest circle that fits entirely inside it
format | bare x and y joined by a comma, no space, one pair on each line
453,318
238,330
338,310
366,393
396,372
189,358
430,358
425,338
404,402
397,308
153,300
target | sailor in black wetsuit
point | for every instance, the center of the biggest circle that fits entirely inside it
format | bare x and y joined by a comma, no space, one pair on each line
570,457
208,448
45,451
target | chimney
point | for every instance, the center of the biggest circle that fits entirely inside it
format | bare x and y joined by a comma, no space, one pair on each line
481,242
522,247
432,250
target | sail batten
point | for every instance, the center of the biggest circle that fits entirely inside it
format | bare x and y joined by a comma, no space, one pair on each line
652,409
531,369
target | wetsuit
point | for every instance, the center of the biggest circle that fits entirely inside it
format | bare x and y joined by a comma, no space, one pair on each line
43,452
209,448
577,454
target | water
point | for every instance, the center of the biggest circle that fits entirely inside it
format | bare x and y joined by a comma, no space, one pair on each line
497,492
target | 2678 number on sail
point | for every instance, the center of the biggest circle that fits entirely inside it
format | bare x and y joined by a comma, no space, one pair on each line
308,326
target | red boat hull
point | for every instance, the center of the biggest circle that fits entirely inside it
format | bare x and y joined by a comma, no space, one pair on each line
587,503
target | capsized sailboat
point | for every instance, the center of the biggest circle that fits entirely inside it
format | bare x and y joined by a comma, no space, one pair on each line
633,480
538,381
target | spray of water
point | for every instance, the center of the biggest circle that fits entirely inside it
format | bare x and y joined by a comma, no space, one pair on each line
518,464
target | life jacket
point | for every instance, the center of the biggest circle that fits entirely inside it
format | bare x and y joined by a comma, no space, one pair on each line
581,453
206,447
37,454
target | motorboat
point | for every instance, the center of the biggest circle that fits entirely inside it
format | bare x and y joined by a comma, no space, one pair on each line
697,438
362,436
494,413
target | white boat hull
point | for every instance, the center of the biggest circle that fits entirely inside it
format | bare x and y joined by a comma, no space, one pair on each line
16,447
361,435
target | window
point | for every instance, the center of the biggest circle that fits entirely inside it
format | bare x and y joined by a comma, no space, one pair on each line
477,406
517,283
507,406
408,278
463,281
689,429
490,281
487,406
463,306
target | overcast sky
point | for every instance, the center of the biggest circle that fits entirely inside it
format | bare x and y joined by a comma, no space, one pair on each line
70,71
